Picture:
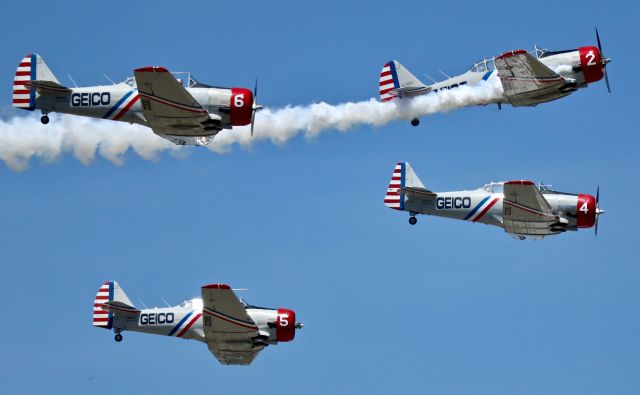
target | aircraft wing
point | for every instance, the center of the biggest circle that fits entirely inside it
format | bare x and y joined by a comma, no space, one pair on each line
169,108
525,210
523,77
228,329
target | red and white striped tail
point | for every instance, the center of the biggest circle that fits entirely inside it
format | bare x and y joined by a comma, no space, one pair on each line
103,318
388,81
393,198
23,97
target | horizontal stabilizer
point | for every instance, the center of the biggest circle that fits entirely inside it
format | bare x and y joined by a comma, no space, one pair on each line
46,86
120,308
410,91
418,191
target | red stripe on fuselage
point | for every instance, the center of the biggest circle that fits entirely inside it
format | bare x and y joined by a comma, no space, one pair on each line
494,201
189,325
128,106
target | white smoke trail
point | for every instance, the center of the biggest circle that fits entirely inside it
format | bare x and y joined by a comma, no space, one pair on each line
24,138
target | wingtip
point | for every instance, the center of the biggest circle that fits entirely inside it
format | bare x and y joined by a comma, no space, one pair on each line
217,286
151,69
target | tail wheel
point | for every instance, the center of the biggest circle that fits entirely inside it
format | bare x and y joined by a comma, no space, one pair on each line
118,337
44,119
415,122
413,220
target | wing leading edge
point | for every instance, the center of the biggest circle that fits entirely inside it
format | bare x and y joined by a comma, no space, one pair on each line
169,108
526,80
525,211
229,331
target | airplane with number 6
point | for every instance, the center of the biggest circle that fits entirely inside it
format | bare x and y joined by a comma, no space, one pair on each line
175,105
234,331
527,79
524,209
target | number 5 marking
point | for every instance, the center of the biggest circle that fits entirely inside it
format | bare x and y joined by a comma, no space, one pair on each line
284,319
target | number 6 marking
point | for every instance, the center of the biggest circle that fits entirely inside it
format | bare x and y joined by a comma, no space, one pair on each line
238,101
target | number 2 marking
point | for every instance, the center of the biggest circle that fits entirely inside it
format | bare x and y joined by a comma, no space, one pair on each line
591,57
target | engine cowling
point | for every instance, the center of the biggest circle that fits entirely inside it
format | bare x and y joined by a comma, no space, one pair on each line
591,65
241,103
285,325
586,211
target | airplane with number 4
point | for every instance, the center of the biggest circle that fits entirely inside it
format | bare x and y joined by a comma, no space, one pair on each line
527,79
175,105
524,209
234,331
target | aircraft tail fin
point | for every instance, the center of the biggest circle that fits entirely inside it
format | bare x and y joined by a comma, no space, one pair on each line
403,179
31,68
113,298
396,80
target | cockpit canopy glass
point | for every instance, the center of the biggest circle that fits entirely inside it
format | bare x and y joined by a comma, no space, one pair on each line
483,66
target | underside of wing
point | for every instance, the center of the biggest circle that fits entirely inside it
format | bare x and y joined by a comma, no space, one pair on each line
526,211
169,108
232,336
524,78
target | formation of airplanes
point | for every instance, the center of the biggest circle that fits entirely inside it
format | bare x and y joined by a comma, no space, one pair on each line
234,331
186,112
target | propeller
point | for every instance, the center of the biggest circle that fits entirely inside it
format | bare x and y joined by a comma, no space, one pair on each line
603,61
598,209
254,106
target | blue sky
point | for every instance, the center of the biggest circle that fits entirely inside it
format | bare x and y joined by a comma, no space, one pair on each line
442,307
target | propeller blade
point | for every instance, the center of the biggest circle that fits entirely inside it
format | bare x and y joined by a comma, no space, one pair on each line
606,79
597,208
598,38
254,106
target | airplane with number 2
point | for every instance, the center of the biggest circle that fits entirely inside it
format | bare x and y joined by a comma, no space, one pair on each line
527,79
524,209
234,331
175,105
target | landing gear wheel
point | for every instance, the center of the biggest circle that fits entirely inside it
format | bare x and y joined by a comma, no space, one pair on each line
118,337
413,220
415,122
44,119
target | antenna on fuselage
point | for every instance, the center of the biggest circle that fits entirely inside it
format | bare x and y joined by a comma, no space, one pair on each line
107,77
74,83
142,303
165,302
443,73
429,77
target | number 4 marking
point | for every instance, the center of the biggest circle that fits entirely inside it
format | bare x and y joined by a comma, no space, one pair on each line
585,208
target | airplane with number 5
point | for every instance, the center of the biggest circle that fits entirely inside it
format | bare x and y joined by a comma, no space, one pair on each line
524,209
175,105
527,79
234,331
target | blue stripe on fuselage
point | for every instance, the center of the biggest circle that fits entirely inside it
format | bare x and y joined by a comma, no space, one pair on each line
487,75
113,109
483,201
182,321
